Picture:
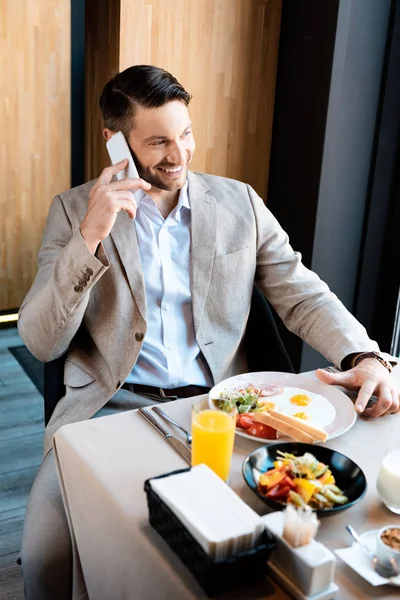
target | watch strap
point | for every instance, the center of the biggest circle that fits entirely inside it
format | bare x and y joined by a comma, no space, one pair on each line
357,359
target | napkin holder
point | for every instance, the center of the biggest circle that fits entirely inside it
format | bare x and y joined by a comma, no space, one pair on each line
306,572
213,576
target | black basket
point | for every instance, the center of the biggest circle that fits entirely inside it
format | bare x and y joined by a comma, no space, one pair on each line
213,576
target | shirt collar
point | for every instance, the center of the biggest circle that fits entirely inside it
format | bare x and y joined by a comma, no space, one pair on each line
183,199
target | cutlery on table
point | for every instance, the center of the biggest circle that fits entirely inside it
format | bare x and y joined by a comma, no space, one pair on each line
178,445
380,568
332,369
169,419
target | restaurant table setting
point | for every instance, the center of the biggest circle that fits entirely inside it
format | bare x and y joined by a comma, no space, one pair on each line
146,524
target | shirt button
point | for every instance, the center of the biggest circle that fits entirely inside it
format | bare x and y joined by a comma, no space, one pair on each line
175,383
139,336
169,347
166,306
78,289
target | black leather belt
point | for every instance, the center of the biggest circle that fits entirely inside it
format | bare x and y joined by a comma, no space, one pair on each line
166,393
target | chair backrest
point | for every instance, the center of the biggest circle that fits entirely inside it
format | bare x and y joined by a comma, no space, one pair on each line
264,346
53,385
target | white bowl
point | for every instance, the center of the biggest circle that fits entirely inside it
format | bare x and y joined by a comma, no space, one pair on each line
385,554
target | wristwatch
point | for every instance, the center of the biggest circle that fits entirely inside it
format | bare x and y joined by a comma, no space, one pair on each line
359,357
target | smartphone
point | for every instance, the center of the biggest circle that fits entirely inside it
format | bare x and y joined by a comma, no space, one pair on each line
118,149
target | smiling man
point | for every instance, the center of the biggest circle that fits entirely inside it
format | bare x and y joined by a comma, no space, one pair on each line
145,285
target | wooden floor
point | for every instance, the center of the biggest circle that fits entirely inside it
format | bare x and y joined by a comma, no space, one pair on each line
21,443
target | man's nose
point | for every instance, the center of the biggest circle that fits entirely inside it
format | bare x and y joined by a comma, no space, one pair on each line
177,154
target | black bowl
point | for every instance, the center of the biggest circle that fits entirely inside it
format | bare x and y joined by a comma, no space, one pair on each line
348,476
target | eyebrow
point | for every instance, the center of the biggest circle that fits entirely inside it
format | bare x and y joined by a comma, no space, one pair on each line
152,138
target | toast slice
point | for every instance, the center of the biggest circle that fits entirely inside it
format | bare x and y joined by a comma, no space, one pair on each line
317,433
283,427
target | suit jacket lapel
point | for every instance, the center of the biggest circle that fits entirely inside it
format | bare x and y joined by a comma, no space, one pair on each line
203,207
124,237
203,244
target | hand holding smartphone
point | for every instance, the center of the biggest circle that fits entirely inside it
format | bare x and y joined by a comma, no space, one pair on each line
118,149
107,197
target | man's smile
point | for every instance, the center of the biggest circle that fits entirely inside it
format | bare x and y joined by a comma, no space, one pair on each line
171,169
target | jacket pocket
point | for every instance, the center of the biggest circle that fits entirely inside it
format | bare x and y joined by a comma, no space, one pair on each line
76,376
233,254
228,264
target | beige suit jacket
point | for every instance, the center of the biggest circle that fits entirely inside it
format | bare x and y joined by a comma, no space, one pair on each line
235,240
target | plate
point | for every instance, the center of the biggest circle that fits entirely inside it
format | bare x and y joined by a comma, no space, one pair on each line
356,559
345,416
348,475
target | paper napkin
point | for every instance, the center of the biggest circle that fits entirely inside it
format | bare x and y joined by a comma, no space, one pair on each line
212,512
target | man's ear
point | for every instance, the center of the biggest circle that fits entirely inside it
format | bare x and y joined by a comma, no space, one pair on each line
107,134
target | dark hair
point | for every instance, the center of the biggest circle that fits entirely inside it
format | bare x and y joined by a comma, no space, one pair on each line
141,85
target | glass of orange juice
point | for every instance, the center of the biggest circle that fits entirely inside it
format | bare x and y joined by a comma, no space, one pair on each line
213,432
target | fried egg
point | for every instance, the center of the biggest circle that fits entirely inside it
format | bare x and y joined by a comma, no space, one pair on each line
267,405
301,400
314,407
300,415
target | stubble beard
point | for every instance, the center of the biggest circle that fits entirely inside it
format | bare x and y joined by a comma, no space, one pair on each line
158,182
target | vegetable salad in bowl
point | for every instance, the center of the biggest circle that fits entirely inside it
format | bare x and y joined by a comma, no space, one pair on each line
302,481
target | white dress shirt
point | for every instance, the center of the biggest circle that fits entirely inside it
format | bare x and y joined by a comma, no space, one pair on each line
170,355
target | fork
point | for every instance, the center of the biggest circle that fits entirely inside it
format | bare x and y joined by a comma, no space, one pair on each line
169,419
332,369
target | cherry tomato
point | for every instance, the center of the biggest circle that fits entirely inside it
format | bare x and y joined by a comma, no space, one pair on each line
278,491
245,420
263,431
288,481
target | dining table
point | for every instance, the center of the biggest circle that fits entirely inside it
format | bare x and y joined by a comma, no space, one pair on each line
102,465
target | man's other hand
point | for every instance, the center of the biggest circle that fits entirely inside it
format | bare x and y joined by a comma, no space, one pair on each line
106,199
369,378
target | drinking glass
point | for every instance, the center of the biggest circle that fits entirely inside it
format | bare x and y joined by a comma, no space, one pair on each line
213,432
388,483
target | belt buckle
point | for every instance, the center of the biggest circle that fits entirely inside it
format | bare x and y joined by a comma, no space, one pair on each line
163,395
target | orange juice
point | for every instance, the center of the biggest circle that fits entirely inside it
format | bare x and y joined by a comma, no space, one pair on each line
213,433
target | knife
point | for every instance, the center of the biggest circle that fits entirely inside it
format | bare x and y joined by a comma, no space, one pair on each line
172,421
172,440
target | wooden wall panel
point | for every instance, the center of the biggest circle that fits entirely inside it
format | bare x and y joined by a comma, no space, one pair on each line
35,132
101,63
225,53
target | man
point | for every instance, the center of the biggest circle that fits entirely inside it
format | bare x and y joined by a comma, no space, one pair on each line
146,284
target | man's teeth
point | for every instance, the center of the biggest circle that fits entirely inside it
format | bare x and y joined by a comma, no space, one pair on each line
174,170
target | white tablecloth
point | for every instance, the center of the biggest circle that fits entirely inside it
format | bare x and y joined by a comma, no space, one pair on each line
103,464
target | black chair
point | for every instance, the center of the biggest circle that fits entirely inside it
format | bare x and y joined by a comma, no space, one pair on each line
264,347
53,385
